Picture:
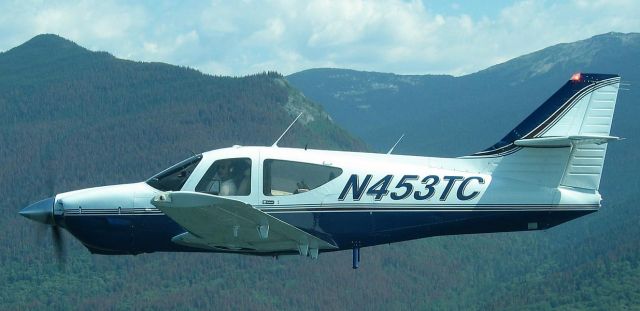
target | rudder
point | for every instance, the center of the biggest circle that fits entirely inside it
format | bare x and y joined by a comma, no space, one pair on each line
577,116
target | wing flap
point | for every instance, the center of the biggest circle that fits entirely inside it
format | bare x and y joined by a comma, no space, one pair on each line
217,222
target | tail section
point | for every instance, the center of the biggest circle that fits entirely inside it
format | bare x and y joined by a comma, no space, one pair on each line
577,117
586,160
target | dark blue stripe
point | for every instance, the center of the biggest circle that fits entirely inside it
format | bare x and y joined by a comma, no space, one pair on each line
133,234
549,112
359,207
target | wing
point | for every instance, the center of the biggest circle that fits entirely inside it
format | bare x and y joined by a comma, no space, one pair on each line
214,222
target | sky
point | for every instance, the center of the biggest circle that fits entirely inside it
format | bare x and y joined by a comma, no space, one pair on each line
240,37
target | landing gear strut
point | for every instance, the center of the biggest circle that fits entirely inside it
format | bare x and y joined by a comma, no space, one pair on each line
356,256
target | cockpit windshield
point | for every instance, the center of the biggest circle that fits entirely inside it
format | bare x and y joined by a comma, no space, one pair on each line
173,178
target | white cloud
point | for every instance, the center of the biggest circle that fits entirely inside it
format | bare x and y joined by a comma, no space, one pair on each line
272,32
186,38
150,47
334,23
243,37
99,20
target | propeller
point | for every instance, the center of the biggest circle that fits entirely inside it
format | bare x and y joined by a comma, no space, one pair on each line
43,213
56,234
58,245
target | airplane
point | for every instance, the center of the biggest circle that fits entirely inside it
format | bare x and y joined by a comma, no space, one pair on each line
272,201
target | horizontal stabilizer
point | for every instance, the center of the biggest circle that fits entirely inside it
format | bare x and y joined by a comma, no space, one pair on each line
576,120
564,141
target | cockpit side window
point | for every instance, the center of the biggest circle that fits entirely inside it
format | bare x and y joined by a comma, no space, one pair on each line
227,177
173,178
289,177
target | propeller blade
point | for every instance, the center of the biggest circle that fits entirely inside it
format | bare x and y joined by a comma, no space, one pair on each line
58,244
41,232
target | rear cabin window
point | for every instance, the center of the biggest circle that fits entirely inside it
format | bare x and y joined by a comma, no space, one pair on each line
289,177
227,177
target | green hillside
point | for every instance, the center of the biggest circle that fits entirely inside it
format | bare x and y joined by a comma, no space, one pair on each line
590,263
76,118
429,109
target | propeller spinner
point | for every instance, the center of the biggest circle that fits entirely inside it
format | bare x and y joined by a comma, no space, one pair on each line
42,212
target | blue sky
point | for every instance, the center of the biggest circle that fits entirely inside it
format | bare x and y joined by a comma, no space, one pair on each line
244,37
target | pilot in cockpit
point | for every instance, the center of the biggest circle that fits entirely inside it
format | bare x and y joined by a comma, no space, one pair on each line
224,174
242,176
228,177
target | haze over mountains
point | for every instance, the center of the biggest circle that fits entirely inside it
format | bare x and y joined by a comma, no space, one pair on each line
455,116
75,118
483,106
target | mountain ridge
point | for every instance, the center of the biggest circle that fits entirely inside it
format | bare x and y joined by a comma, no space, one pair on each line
430,102
50,43
582,51
588,263
92,73
153,114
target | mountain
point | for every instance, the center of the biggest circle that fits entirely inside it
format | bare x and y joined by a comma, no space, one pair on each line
589,263
74,118
379,107
58,99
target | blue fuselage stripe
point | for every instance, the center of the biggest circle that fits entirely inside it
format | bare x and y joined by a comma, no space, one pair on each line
137,233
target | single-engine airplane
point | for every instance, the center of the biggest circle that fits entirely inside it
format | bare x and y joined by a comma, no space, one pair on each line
280,201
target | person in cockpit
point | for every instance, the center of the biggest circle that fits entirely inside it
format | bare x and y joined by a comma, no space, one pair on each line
224,174
227,177
242,176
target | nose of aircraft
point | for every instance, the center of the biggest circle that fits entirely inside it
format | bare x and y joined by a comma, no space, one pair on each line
41,211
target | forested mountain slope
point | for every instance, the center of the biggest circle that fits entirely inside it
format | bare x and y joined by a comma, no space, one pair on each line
478,108
75,118
589,263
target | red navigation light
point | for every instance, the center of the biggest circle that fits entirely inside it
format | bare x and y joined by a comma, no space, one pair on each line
576,77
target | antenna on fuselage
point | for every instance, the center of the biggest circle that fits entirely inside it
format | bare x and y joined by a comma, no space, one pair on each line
285,131
394,145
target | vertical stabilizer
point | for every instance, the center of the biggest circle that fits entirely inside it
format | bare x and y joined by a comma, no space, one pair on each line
592,118
577,118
